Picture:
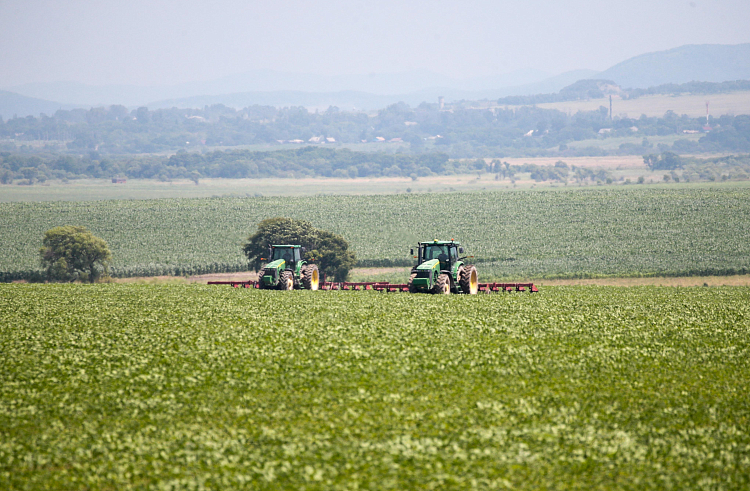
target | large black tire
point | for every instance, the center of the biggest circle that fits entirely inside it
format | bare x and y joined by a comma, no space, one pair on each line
412,289
286,281
456,284
261,274
469,279
310,277
442,285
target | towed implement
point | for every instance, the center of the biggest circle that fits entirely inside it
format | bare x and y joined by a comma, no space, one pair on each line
381,286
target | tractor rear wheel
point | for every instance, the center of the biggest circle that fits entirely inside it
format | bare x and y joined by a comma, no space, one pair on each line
286,281
310,277
469,280
412,288
261,274
442,285
457,283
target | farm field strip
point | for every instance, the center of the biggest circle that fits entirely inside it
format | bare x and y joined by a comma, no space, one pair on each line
656,105
395,275
194,387
522,234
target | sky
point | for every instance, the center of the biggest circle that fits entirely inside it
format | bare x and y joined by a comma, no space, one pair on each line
164,42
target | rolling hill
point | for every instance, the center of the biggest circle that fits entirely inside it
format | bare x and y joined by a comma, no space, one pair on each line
704,63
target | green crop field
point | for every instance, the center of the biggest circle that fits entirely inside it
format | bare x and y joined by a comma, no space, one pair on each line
520,234
199,387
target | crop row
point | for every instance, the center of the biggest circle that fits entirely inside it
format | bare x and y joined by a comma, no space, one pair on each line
199,387
515,234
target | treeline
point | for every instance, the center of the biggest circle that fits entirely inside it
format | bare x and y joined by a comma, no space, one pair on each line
597,89
583,89
303,162
692,88
726,168
461,132
342,163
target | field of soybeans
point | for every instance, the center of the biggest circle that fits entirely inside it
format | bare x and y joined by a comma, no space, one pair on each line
627,231
198,387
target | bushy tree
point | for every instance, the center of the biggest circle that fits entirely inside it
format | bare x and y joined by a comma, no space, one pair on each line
73,253
328,250
665,161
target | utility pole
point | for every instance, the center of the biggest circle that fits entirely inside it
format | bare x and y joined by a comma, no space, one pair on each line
706,113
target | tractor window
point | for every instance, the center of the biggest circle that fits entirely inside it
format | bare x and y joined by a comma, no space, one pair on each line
454,254
296,255
285,254
436,252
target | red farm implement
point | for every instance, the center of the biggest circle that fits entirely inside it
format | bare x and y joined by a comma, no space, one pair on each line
390,287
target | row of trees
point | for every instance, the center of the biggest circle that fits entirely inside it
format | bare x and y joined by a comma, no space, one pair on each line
316,161
595,89
302,162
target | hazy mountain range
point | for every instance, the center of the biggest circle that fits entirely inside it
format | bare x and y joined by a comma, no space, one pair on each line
708,63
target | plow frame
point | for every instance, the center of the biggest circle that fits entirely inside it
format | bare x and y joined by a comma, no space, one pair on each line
390,287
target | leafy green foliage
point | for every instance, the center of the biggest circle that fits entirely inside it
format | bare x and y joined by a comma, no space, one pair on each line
625,231
187,387
72,253
329,251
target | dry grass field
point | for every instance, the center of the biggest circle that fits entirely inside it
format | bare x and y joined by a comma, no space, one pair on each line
625,167
656,105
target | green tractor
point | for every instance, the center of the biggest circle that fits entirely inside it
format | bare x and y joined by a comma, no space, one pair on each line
439,269
287,270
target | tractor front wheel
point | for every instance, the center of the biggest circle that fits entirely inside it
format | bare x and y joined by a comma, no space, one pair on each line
286,281
412,288
442,285
469,280
310,277
261,274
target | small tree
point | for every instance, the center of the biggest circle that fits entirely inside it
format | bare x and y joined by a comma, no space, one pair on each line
6,176
328,250
665,161
73,253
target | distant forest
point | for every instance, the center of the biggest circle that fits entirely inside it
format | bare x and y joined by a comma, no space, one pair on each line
460,132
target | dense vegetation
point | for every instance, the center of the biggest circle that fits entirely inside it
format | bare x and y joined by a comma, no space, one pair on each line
628,230
328,162
463,131
188,387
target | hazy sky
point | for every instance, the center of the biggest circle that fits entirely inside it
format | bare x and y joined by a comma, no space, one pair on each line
148,42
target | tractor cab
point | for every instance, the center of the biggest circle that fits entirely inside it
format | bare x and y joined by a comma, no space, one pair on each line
445,252
289,253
